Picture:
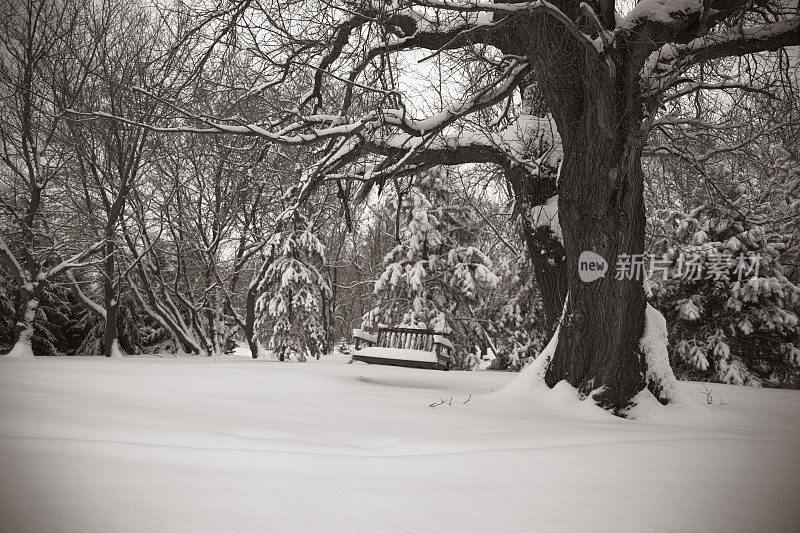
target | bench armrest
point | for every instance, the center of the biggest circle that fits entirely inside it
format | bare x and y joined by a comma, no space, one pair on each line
362,337
442,341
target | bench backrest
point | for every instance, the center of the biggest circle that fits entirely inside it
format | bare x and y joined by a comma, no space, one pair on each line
406,338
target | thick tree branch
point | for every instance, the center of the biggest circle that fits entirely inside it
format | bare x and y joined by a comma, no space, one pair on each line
90,305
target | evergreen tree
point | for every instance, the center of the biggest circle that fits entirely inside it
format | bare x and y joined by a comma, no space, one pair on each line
435,278
737,320
293,291
519,326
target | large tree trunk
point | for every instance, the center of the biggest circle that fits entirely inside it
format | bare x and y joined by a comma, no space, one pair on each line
599,111
601,210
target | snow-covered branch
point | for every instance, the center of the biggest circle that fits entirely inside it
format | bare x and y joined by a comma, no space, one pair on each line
671,59
741,41
694,86
88,303
21,276
76,261
286,135
541,7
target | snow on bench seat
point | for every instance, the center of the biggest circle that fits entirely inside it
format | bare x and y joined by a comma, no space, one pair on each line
396,353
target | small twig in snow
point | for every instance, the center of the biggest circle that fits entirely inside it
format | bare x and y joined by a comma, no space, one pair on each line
436,404
709,398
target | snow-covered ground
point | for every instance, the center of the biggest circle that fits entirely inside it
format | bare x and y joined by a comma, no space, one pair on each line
150,444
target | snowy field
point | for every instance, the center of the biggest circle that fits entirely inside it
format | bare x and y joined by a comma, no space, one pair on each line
151,444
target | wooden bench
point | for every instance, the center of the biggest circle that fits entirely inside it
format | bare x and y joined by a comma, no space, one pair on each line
409,347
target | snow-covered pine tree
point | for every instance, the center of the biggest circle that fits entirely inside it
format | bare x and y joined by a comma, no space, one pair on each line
740,331
58,329
519,324
292,292
435,277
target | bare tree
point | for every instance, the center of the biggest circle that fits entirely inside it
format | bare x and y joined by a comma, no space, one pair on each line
108,155
33,46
